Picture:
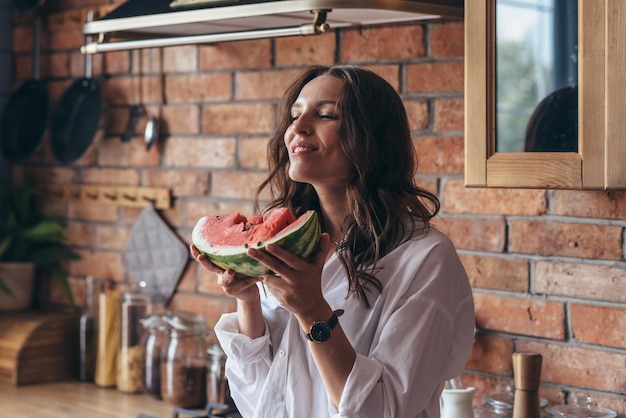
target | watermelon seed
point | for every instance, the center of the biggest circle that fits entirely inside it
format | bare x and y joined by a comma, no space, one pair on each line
245,245
258,244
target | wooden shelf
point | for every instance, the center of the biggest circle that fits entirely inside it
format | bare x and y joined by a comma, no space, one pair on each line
109,195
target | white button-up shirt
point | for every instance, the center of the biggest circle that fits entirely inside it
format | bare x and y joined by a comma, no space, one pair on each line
417,334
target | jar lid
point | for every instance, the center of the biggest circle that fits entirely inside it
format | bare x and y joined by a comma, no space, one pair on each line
581,408
503,401
154,321
186,321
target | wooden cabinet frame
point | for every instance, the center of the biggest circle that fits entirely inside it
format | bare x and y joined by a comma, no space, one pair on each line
600,162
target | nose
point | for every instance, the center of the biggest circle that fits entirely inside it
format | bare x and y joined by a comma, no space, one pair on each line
301,125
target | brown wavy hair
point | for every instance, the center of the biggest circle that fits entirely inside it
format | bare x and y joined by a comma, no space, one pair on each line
385,206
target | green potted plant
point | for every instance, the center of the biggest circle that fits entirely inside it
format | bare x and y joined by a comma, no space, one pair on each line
29,240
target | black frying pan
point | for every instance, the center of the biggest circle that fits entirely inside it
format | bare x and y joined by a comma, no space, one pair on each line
76,117
25,116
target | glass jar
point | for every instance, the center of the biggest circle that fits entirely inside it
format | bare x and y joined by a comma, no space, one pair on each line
184,361
88,335
134,307
500,405
583,408
216,385
155,338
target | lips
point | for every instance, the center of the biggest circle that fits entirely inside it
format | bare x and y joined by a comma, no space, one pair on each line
301,146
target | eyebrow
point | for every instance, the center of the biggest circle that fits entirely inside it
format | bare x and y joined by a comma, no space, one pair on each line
317,104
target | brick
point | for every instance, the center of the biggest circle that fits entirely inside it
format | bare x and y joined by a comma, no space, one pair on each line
236,55
120,90
263,84
187,280
201,87
447,39
485,385
195,209
180,119
213,152
456,198
588,281
382,43
430,184
305,50
55,175
435,77
579,366
23,39
23,69
474,234
253,153
240,185
449,115
148,61
491,354
599,325
112,152
99,264
178,59
565,239
111,176
54,66
173,215
255,118
590,204
91,211
417,113
207,282
525,316
116,62
63,39
211,308
438,155
111,237
80,233
181,183
496,273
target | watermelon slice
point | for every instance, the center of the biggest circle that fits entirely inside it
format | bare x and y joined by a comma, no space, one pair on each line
224,239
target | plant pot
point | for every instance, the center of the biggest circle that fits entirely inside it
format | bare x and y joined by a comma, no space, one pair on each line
20,278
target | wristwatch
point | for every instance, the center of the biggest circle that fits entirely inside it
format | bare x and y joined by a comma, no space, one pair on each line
320,330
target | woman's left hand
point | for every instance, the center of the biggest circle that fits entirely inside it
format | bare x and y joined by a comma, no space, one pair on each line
296,283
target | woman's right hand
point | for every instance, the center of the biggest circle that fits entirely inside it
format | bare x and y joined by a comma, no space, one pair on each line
233,284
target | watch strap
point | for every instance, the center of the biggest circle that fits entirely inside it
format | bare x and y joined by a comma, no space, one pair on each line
332,323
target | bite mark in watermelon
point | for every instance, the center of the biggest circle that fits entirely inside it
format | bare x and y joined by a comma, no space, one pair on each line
224,239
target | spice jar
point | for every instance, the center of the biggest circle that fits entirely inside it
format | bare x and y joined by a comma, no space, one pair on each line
184,361
582,407
155,338
134,306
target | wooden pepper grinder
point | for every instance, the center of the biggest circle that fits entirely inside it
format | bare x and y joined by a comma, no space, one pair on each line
527,375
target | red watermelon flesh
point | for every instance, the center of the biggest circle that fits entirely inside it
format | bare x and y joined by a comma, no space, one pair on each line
236,230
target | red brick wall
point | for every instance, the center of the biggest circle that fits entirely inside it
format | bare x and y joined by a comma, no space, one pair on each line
547,267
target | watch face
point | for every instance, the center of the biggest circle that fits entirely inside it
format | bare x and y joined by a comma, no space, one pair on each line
320,331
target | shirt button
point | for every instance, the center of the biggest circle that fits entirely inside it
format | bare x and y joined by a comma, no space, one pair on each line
281,353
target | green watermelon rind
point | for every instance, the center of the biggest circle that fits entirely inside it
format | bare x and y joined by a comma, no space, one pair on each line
302,241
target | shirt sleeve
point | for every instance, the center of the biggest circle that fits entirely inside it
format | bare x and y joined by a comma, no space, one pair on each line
424,337
248,362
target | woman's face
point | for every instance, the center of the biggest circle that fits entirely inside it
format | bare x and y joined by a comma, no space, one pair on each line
312,139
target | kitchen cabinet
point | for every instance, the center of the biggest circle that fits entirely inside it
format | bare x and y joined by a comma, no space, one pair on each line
600,161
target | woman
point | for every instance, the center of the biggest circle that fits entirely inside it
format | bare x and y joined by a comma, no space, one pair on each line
343,148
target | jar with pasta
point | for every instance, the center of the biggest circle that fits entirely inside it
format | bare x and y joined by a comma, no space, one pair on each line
134,307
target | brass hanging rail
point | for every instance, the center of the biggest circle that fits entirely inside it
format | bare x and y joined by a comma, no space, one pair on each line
110,195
